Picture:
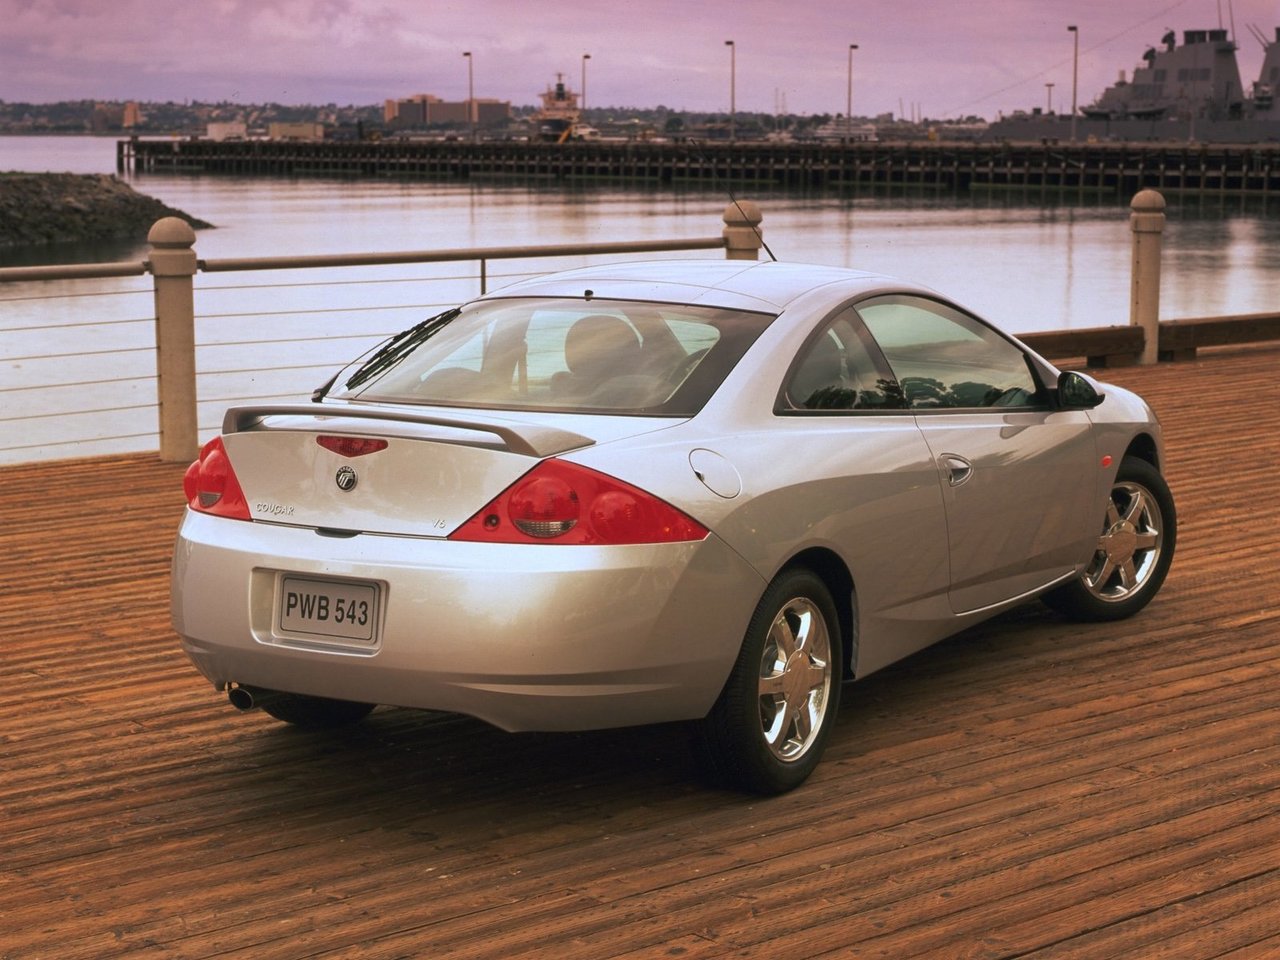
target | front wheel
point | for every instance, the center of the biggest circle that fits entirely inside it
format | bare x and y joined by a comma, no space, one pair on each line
1134,550
769,726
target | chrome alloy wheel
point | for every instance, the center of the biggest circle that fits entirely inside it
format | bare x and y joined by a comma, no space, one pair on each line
795,679
1130,545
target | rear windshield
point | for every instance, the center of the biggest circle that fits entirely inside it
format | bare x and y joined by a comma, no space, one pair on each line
572,356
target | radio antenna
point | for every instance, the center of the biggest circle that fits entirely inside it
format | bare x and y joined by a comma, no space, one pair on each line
733,199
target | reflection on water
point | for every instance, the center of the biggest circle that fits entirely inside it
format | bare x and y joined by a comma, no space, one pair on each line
101,251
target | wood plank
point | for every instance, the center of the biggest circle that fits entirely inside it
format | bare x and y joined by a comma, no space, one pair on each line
1032,787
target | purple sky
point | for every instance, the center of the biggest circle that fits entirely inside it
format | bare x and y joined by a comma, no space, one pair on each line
944,58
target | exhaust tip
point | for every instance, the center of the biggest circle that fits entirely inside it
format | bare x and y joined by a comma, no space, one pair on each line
248,698
240,698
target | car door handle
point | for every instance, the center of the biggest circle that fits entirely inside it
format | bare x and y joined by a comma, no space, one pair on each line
956,468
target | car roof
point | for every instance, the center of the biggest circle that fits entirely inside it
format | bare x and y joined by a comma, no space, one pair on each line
747,285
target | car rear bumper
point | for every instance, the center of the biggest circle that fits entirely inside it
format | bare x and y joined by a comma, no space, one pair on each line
526,637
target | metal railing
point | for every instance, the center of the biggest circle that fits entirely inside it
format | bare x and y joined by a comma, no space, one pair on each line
66,360
96,372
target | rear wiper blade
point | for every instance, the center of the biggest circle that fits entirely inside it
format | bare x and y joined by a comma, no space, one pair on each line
396,349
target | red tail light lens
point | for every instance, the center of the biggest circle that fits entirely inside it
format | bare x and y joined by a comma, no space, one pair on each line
563,503
351,446
211,485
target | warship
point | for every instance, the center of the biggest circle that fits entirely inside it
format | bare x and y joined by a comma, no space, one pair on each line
1190,92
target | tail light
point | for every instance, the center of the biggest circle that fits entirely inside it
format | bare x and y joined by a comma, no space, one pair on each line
351,447
211,485
563,503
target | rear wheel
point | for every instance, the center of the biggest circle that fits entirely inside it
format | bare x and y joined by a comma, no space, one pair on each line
1134,550
316,712
767,731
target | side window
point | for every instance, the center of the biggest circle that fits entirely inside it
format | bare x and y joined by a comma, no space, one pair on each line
946,359
838,370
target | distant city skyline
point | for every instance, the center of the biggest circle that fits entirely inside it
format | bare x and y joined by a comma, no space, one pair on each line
913,57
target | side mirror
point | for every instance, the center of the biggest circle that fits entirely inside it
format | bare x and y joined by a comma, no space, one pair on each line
1078,392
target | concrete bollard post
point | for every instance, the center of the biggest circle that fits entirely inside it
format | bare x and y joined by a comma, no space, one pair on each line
742,236
1147,222
173,265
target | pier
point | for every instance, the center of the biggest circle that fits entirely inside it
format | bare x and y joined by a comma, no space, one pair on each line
1032,788
1120,168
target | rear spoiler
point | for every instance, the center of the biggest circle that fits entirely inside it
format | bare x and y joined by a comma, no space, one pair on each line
530,440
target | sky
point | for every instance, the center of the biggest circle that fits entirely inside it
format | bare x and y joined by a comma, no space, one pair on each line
940,59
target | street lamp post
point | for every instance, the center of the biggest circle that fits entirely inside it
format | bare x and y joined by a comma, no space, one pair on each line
1075,76
471,95
733,83
848,100
585,58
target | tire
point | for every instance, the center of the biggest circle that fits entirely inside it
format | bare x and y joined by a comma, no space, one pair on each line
315,713
767,730
1135,549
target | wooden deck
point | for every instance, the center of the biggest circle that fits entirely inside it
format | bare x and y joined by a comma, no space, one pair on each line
1030,789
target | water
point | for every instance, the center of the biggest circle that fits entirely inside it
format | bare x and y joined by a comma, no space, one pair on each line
1028,261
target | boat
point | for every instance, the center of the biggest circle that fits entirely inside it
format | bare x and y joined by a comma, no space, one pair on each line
1179,91
559,114
1198,79
845,130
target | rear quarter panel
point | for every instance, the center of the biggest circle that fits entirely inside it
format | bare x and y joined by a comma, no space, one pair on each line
864,488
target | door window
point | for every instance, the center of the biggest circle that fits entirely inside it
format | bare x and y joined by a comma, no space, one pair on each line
946,359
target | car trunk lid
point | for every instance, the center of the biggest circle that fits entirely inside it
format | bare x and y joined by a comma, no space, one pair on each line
426,472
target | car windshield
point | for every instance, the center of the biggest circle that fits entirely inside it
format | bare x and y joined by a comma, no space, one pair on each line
560,355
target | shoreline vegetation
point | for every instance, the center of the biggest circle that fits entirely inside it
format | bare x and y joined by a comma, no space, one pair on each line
47,208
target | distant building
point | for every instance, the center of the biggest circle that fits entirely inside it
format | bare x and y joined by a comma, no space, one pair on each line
106,117
295,131
234,130
425,109
132,116
410,112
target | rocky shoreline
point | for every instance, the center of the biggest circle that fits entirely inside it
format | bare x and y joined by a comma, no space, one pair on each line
42,208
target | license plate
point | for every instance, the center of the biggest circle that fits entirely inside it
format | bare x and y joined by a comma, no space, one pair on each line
332,609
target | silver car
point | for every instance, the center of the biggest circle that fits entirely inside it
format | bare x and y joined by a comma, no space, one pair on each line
704,491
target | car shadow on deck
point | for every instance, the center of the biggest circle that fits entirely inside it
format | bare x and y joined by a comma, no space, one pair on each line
402,765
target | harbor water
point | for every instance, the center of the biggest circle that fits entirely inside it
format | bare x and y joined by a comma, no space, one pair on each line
1028,261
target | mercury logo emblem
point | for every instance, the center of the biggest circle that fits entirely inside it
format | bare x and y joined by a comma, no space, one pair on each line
346,479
